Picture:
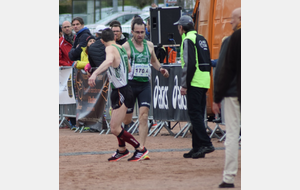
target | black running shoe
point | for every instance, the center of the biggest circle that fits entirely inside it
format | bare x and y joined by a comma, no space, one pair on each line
117,155
139,155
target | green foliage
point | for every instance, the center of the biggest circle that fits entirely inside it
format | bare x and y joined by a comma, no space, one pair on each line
141,3
79,7
106,3
65,2
65,9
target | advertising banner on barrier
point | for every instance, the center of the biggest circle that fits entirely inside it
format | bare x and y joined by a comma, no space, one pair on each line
91,101
167,102
66,90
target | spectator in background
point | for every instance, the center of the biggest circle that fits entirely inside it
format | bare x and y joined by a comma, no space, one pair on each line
153,5
135,16
228,86
148,29
120,38
81,36
65,44
60,32
98,33
114,22
97,51
83,63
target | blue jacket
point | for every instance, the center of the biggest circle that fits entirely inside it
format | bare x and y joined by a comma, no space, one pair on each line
80,39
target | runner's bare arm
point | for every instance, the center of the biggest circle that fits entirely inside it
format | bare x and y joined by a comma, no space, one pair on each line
127,48
129,66
154,61
110,56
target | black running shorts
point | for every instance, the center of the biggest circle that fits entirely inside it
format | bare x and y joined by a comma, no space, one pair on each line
141,92
121,96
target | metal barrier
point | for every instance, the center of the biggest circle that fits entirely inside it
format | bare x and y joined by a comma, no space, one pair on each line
66,110
69,110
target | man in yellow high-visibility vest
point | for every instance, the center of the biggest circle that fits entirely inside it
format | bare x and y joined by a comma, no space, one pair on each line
195,80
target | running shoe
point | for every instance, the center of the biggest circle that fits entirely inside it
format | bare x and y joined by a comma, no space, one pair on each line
146,157
117,155
139,155
73,128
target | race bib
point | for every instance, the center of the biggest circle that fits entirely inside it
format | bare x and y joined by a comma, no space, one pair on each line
141,70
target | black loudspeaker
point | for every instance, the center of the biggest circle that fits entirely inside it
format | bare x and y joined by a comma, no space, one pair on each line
163,31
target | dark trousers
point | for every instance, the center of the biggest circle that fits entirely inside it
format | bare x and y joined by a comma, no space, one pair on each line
196,104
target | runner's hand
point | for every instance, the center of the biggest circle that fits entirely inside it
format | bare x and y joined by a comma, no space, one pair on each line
164,72
92,80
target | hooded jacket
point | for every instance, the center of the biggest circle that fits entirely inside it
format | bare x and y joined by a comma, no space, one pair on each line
80,39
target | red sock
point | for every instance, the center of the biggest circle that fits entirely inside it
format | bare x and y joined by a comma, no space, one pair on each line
127,137
121,142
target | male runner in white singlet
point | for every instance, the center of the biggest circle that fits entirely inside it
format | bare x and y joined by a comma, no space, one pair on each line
117,67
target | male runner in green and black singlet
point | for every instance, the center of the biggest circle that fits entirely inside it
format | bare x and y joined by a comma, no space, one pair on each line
141,54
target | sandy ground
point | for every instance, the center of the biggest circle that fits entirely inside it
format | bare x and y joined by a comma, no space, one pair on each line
83,163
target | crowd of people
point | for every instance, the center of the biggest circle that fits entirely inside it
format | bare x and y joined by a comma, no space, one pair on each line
111,51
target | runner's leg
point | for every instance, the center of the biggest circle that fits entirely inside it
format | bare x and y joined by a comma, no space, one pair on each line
143,124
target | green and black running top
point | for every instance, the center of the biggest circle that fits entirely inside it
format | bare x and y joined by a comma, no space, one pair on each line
140,63
118,77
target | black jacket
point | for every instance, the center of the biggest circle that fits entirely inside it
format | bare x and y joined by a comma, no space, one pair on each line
122,40
80,39
231,69
96,53
232,89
